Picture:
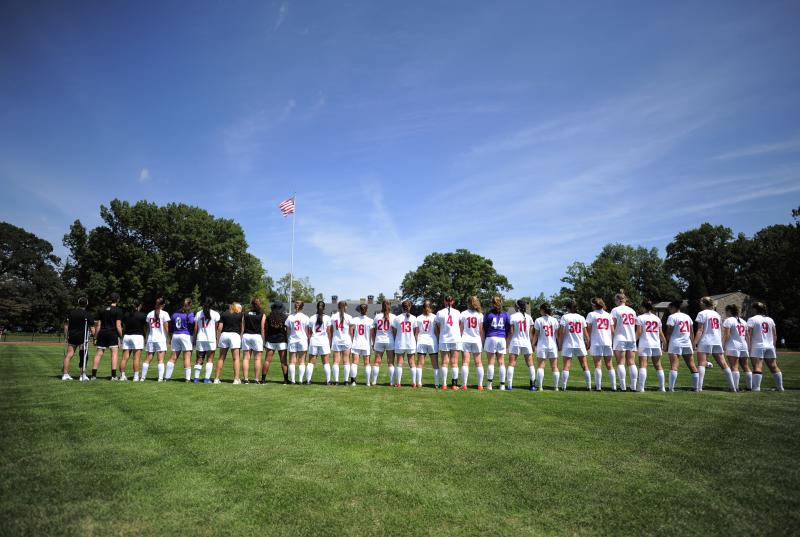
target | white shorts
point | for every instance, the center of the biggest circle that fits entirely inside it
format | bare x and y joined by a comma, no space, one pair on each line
601,350
737,353
252,342
573,352
426,348
156,346
230,340
495,344
381,346
298,346
449,347
625,346
541,354
520,349
649,351
680,350
709,349
763,353
360,352
133,342
181,342
319,350
205,346
471,346
275,346
341,346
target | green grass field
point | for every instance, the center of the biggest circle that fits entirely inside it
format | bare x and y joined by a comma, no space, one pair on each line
108,458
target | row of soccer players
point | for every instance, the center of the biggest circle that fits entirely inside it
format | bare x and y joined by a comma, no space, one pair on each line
444,336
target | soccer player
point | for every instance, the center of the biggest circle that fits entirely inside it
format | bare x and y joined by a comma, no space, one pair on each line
572,339
297,325
157,327
319,344
624,341
734,341
544,339
108,327
78,325
679,335
276,338
362,328
708,340
496,329
205,332
762,340
253,339
426,344
472,341
519,342
651,342
229,334
182,326
448,332
405,342
342,343
383,339
133,340
600,327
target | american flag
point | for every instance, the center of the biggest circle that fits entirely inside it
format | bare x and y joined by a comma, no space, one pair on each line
287,206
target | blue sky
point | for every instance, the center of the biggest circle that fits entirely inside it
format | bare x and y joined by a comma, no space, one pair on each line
532,133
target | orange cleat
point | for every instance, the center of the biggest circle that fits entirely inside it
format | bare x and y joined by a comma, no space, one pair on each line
480,388
444,388
454,387
463,388
414,386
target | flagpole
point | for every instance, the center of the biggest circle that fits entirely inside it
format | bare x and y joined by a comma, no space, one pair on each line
291,270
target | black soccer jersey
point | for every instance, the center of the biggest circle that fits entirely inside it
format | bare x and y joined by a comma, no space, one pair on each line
276,331
252,322
108,318
134,323
231,322
78,322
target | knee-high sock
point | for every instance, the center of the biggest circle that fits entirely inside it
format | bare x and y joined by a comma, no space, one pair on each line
634,372
170,367
736,378
673,377
309,371
188,372
353,371
757,381
729,378
479,369
291,372
695,380
464,374
335,369
598,378
398,373
444,376
209,370
503,373
702,375
327,369
160,371
510,375
419,376
564,379
778,378
587,377
642,379
367,374
375,370
540,378
391,374
197,368
748,379
556,379
490,375
612,375
145,367
660,377
454,374
302,372
621,376
532,373
436,376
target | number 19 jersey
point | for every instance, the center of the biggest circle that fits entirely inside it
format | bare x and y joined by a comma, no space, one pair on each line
472,326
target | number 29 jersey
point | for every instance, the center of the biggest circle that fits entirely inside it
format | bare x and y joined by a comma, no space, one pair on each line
600,321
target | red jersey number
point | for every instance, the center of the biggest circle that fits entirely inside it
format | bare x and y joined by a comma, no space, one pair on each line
651,327
602,324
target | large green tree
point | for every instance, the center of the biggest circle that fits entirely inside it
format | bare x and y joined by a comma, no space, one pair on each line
459,274
301,289
31,290
145,250
703,256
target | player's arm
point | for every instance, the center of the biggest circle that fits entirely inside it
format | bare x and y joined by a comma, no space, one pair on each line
586,339
560,338
774,336
698,334
726,334
663,338
638,330
119,328
534,339
329,331
263,327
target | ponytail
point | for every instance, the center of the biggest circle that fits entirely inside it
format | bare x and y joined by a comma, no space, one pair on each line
207,307
342,311
320,313
406,307
448,301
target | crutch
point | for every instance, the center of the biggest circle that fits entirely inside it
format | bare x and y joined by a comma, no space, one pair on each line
85,348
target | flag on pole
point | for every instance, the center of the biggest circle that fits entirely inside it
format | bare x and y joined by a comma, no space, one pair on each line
287,206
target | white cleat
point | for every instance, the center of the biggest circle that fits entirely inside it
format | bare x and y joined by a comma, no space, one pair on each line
503,387
84,378
237,381
123,378
160,380
217,381
489,387
66,376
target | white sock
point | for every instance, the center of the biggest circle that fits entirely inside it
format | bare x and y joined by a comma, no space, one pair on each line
309,371
454,374
335,368
209,369
510,375
444,376
419,376
598,378
556,378
145,367
702,376
327,369
375,370
197,368
464,374
291,372
302,370
748,379
398,373
490,372
641,379
169,370
660,377
136,376
634,376
160,368
673,377
736,378
391,375
778,378
695,380
757,381
564,379
436,377
729,378
612,374
503,373
479,369
188,373
532,372
587,377
621,376
540,378
353,371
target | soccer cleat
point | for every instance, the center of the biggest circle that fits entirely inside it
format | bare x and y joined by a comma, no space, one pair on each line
123,378
254,382
397,386
489,387
188,381
464,388
160,380
414,386
308,382
237,381
196,381
245,381
114,379
206,381
353,383
509,388
502,387
480,388
454,387
444,388
141,379
66,376
534,389
217,381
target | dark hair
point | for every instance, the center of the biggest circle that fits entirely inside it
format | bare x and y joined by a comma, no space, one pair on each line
160,303
474,303
676,305
276,316
647,305
406,304
207,303
522,306
342,305
598,303
320,313
546,308
83,302
427,307
448,301
113,298
363,309
302,303
137,303
760,308
255,304
733,309
707,302
386,308
571,305
187,305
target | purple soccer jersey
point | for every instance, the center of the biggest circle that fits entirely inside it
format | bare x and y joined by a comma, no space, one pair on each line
496,324
181,322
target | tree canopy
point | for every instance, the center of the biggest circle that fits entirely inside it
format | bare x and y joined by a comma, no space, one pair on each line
301,289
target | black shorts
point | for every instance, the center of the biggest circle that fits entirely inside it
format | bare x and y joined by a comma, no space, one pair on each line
107,339
75,338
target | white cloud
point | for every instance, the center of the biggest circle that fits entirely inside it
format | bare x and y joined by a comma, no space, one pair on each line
762,149
283,12
144,175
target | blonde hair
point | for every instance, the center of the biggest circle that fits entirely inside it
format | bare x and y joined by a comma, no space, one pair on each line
497,304
620,297
474,303
707,302
236,307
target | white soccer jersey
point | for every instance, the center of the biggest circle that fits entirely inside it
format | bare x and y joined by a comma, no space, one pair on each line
319,334
573,325
404,324
681,331
651,329
449,327
737,330
297,323
521,324
206,327
157,326
624,323
546,327
762,329
472,321
712,327
600,321
383,329
361,332
341,329
425,326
